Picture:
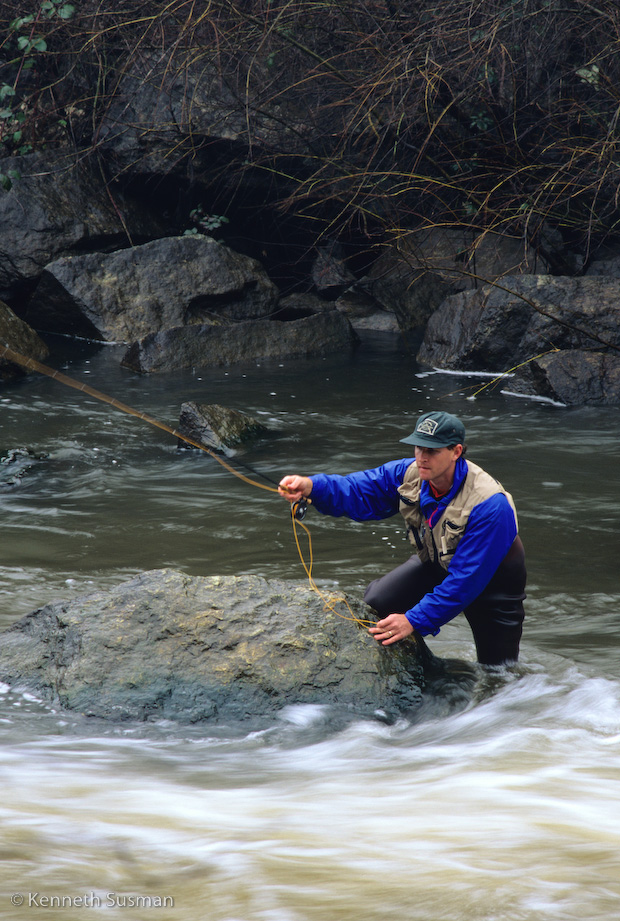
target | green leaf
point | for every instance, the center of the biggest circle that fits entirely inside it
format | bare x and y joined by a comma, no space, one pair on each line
6,90
17,24
66,11
39,44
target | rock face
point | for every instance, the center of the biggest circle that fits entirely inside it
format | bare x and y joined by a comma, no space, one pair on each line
56,207
19,337
167,645
497,327
204,346
167,283
429,264
573,377
167,103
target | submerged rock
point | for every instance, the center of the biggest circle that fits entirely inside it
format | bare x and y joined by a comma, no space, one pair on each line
168,645
15,464
218,426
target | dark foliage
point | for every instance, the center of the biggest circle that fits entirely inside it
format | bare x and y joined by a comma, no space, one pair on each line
495,114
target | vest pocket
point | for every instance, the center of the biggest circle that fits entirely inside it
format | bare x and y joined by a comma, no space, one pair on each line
451,533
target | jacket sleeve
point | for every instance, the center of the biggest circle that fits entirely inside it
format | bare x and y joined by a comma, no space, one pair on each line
362,496
490,532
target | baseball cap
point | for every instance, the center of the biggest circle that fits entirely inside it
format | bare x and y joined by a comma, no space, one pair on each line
437,430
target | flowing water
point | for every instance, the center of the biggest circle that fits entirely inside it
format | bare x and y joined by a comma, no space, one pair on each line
507,810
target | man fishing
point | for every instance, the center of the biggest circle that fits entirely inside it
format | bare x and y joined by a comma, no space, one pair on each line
463,525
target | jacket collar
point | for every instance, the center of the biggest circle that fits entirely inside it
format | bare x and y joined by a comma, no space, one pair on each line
433,508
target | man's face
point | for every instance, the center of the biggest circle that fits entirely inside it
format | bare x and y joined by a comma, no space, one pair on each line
437,464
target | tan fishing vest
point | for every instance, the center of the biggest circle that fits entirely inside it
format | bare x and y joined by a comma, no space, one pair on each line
439,543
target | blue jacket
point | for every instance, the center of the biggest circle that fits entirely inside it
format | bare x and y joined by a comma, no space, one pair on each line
491,530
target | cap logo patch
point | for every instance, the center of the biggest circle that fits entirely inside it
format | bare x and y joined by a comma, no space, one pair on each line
427,427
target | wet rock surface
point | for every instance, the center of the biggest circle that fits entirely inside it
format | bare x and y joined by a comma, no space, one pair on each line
218,427
15,464
168,645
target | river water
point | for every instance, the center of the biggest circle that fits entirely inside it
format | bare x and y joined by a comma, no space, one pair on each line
506,810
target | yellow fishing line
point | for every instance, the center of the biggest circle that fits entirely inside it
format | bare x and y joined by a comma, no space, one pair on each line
327,601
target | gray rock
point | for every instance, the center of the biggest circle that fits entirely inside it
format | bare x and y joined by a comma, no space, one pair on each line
19,337
166,283
607,267
168,645
573,377
499,326
300,305
218,427
56,206
169,102
364,312
429,264
330,274
205,346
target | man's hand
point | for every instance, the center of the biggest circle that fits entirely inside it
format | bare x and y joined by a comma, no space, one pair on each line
295,487
392,628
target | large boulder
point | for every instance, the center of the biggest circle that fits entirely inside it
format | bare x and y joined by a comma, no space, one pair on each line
500,326
168,645
412,278
169,282
206,346
572,377
57,205
19,337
